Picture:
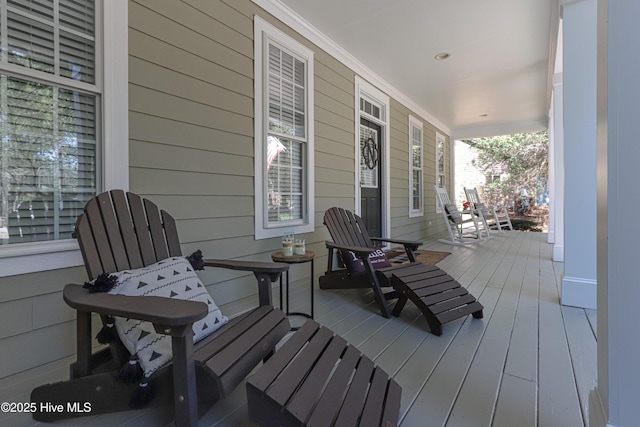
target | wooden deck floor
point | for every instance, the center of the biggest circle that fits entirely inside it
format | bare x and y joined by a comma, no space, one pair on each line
529,362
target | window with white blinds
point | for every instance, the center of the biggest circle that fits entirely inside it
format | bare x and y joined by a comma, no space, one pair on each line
49,117
416,170
284,137
440,166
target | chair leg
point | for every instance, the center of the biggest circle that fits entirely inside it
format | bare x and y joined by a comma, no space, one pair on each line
377,290
381,300
402,300
184,379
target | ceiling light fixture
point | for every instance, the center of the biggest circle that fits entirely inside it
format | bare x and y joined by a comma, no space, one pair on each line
441,56
484,115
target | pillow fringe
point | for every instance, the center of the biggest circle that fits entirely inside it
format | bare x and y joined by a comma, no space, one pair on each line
108,333
142,395
103,283
196,260
131,371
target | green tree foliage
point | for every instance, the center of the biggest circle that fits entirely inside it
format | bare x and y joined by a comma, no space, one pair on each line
522,162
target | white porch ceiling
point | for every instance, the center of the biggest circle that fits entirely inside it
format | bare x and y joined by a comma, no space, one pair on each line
500,55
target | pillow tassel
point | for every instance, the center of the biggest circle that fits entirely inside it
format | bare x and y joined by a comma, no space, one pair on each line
196,260
131,371
103,283
142,395
108,333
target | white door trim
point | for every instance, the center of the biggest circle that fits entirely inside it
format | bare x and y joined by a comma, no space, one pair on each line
373,94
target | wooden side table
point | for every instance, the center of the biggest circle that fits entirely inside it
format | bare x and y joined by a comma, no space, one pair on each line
294,259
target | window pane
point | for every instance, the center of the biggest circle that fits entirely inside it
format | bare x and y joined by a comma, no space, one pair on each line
47,159
78,15
369,160
285,180
440,159
417,190
32,42
417,155
40,8
77,57
286,93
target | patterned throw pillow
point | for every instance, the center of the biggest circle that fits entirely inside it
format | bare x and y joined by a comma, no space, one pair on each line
170,278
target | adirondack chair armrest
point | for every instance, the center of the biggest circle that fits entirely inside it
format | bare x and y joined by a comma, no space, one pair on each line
157,310
270,270
360,251
412,244
265,272
256,267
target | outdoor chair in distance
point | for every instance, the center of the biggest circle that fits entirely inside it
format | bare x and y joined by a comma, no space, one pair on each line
457,227
498,215
117,232
439,297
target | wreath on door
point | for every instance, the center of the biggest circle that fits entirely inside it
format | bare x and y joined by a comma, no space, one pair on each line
370,153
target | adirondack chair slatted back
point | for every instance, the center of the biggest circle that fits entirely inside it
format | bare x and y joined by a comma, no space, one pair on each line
120,232
346,228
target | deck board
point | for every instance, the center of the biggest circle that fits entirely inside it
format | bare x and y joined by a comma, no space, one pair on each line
435,400
528,362
516,403
582,346
558,402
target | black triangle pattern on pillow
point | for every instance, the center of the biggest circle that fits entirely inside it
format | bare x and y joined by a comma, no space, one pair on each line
154,356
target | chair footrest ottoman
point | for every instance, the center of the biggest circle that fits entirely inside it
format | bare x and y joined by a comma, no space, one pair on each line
438,296
318,379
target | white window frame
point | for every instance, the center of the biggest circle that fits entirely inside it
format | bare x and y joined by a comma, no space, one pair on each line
264,34
112,80
441,138
416,124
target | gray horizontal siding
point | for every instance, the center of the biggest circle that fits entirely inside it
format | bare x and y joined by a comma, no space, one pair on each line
191,151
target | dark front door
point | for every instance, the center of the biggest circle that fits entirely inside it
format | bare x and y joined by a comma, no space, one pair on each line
371,176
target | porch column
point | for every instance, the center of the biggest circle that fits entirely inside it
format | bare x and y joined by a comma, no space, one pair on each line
615,400
579,90
556,151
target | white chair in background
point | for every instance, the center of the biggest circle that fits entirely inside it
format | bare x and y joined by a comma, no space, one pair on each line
498,215
460,233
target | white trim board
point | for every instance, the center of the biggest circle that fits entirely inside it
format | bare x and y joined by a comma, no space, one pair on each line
597,416
579,292
311,33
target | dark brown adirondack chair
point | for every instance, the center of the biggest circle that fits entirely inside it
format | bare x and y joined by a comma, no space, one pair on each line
438,296
119,232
